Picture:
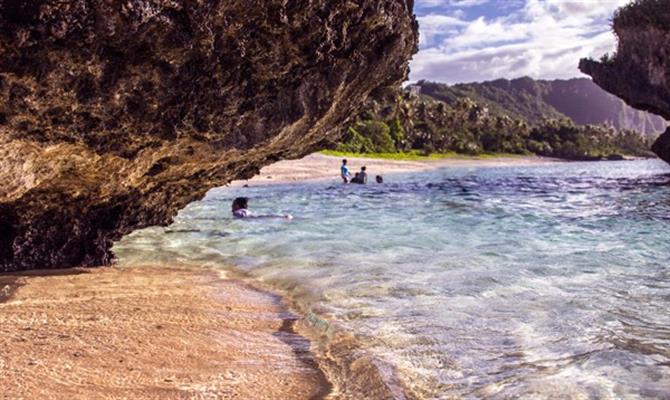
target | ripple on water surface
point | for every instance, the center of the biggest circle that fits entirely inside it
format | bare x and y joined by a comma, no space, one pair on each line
538,282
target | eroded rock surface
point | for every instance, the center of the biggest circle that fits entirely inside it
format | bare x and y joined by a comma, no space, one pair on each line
116,114
639,73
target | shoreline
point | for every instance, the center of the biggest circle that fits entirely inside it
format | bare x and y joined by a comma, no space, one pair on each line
163,332
320,167
352,372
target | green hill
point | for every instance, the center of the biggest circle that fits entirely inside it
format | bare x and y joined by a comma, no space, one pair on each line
531,100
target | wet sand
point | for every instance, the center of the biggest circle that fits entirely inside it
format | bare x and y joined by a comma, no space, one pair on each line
149,333
316,167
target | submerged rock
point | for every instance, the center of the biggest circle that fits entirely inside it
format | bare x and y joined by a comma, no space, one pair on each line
116,114
639,72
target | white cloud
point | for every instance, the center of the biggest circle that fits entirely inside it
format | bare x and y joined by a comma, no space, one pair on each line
435,25
450,3
542,39
481,32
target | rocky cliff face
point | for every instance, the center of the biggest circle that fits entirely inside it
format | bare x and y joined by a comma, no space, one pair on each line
116,114
639,73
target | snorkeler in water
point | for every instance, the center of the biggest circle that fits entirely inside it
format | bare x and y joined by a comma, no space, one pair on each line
240,209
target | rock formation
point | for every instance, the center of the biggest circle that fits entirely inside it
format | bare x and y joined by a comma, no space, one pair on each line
116,114
639,72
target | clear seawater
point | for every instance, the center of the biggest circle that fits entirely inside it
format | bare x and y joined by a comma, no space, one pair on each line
541,282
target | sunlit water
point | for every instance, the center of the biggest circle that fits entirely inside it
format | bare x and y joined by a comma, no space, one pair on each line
539,282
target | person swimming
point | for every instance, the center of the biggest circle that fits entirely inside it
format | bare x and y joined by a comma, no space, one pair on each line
379,179
240,208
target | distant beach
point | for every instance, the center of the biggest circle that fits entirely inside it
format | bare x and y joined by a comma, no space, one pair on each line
319,166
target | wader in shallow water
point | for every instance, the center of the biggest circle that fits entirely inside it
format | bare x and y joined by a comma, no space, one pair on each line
344,172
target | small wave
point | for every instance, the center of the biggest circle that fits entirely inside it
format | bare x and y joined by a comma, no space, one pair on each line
355,372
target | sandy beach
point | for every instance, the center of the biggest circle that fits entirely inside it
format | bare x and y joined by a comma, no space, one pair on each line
149,333
317,167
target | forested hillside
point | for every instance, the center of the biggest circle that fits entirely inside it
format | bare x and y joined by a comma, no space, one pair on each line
578,99
402,120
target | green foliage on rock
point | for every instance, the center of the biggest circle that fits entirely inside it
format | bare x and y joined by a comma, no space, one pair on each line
640,13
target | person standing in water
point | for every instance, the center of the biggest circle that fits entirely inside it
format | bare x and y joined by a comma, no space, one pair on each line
240,209
344,171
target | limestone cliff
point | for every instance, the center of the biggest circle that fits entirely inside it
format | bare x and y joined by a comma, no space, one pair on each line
116,114
639,72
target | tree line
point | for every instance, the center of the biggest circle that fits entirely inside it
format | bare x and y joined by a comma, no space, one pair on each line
400,121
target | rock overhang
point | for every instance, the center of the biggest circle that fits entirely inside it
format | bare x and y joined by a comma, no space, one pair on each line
639,70
115,115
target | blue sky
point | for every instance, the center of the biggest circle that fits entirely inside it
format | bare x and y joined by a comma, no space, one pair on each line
476,40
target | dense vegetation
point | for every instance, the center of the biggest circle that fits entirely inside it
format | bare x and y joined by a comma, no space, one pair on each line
401,122
643,12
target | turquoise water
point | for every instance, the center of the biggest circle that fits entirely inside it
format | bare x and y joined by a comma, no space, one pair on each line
536,282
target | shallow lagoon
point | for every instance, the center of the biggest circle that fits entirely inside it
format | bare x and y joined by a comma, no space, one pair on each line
544,281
